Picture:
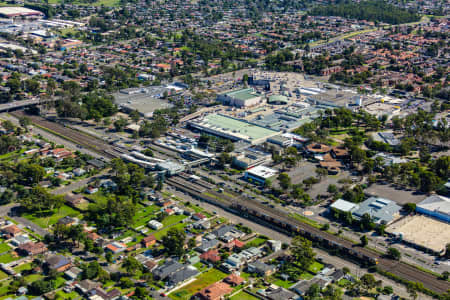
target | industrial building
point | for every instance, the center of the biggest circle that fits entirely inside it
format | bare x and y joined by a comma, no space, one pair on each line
382,211
144,100
288,118
343,206
250,157
170,168
435,206
233,129
260,174
240,98
16,11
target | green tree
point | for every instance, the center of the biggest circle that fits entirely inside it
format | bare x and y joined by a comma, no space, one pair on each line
135,116
302,252
364,241
394,253
409,207
132,265
120,124
284,181
368,281
173,241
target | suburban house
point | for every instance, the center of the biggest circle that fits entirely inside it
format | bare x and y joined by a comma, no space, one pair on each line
215,291
32,248
58,263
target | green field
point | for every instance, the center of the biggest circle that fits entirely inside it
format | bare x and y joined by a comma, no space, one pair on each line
62,295
8,257
315,267
209,277
4,247
144,214
243,296
22,267
33,277
159,234
256,242
3,275
173,219
283,283
49,218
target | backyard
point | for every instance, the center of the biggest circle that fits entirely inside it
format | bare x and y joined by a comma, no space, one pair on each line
203,280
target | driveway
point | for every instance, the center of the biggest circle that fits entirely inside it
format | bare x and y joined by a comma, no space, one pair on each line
5,210
77,184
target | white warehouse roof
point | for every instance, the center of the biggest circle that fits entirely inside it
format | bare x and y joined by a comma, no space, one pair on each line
262,172
343,205
436,203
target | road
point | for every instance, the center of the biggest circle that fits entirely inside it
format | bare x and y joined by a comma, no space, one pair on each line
77,184
411,255
275,235
5,210
24,103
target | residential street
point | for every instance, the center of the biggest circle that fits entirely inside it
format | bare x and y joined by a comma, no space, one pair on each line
327,258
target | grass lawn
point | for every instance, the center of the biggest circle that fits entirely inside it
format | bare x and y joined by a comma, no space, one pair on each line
209,277
33,277
99,197
60,281
8,257
201,266
49,218
4,247
343,282
144,214
243,296
159,234
315,267
22,267
4,287
3,275
173,219
63,295
256,242
306,276
306,220
283,283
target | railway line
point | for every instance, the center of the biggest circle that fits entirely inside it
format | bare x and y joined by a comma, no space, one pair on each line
283,222
254,210
78,137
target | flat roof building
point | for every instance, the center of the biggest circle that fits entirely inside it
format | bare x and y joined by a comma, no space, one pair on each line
170,167
144,100
251,157
260,174
240,98
16,11
435,206
382,211
233,129
344,206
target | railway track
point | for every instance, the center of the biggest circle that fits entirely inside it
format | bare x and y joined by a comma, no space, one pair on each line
78,137
271,217
284,223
